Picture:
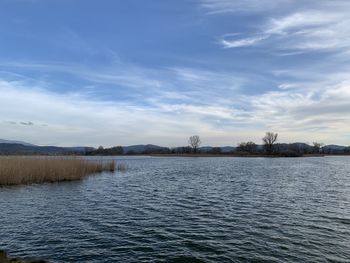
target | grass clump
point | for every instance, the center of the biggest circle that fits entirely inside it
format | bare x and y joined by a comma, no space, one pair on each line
27,170
5,259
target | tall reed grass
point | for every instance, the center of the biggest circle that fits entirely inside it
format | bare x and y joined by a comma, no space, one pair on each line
4,258
27,170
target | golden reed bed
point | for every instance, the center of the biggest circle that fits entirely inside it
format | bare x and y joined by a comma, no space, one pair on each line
27,170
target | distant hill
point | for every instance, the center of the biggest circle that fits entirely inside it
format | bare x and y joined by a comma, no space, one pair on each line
225,149
21,149
142,148
16,142
228,149
12,147
335,149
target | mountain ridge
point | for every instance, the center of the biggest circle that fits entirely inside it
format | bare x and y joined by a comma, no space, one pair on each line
13,147
16,142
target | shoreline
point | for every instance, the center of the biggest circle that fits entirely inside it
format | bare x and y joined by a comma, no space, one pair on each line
229,155
4,258
177,155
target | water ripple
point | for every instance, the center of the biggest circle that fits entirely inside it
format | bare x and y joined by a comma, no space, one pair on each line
187,210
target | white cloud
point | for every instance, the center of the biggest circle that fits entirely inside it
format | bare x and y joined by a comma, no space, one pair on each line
122,74
285,86
188,101
76,120
226,6
304,19
315,26
242,42
80,119
311,30
300,109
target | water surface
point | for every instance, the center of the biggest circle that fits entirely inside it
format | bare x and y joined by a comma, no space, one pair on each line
187,210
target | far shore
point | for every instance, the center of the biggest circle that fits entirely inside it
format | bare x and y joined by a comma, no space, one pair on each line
230,155
175,155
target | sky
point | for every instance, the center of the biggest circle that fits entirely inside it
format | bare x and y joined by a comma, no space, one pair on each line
113,72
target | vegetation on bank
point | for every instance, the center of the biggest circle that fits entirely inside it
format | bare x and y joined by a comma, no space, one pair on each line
27,170
269,147
5,259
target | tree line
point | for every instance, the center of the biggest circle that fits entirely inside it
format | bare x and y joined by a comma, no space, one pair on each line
269,146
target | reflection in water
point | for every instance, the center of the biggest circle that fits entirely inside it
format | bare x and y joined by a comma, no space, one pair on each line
187,210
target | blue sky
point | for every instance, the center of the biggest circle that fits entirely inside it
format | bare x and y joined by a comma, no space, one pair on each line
157,71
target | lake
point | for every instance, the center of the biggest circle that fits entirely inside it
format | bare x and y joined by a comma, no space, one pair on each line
186,210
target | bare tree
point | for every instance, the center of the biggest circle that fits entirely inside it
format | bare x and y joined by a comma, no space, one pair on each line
194,141
269,140
317,147
242,147
249,147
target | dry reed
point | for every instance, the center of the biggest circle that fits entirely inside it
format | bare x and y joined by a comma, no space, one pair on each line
27,170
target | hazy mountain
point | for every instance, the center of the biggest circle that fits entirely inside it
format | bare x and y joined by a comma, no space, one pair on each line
334,147
80,148
20,149
224,149
228,149
141,148
16,142
12,147
205,149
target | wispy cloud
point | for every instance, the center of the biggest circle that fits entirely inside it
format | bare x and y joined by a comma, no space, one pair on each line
187,85
28,123
227,6
311,30
243,42
79,118
76,119
228,70
172,106
323,104
317,26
